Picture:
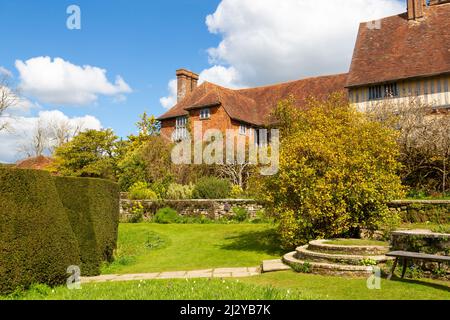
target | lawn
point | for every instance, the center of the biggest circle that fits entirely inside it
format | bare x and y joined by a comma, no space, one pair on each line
148,247
273,286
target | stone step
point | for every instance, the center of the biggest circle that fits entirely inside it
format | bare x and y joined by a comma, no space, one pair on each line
273,266
322,246
326,268
303,253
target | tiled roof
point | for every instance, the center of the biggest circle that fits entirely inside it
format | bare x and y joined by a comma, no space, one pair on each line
402,49
254,105
38,163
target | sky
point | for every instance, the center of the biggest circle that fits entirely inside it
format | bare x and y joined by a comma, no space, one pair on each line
122,60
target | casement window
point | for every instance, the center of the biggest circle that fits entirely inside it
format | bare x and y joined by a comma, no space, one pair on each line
389,90
205,114
181,131
243,129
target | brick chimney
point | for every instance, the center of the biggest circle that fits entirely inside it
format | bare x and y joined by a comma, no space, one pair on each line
186,83
415,9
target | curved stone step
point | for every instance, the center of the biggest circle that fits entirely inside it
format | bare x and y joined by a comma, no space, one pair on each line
326,268
322,246
303,253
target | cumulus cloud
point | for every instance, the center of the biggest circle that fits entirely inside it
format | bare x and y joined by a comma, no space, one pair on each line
169,101
21,129
269,41
60,82
6,72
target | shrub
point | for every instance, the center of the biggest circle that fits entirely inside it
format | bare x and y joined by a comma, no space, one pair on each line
37,243
179,192
337,172
236,192
93,209
240,214
212,188
137,213
166,216
141,191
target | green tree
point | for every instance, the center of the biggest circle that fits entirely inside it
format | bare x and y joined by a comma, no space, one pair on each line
90,154
337,172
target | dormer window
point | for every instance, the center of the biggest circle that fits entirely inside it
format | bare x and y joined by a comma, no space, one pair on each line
205,114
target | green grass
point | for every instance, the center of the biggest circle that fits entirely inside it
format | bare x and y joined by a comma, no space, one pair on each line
356,242
343,288
273,286
194,289
148,247
441,228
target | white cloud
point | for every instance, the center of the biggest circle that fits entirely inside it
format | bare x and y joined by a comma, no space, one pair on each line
169,101
223,76
6,72
269,41
60,82
21,129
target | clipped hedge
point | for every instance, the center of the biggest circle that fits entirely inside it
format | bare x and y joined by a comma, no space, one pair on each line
37,243
93,209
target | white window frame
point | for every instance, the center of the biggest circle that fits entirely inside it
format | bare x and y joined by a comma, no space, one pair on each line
243,129
205,114
180,132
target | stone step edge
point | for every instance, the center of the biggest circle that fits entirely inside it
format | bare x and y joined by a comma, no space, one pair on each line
290,260
304,252
371,250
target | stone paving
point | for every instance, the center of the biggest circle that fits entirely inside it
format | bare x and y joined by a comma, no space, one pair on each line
208,273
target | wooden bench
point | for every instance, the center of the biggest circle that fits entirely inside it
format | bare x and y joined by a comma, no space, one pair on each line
407,256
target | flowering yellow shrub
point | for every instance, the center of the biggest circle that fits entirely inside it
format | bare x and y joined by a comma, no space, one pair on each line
337,171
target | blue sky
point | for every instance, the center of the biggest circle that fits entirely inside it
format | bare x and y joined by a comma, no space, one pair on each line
235,43
142,41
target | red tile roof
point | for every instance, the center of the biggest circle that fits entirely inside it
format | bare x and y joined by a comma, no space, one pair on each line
254,105
402,49
37,163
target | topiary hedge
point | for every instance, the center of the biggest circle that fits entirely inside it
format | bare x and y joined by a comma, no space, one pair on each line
93,209
37,243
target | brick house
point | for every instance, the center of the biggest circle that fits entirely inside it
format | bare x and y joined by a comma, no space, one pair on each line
394,58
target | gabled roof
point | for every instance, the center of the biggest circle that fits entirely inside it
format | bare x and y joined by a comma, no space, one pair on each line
37,163
402,49
254,105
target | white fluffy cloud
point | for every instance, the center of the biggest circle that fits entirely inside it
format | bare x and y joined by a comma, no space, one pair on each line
60,82
6,72
169,101
268,41
21,129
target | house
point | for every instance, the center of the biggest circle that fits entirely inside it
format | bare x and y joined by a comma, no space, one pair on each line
395,58
403,56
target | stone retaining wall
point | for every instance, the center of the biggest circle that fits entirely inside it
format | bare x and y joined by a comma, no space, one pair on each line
213,209
419,211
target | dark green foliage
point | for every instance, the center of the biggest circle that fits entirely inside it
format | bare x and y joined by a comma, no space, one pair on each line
166,216
436,213
212,188
93,208
37,243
